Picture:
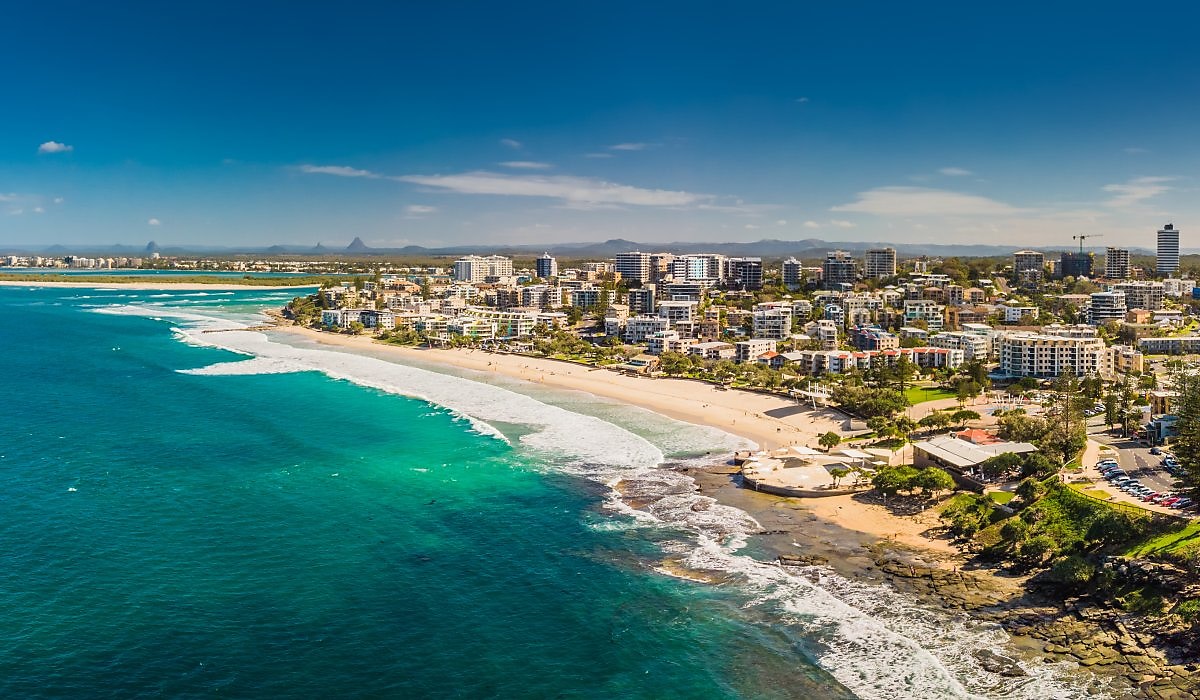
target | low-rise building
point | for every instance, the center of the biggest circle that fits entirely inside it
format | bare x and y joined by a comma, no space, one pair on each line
713,350
749,350
1178,345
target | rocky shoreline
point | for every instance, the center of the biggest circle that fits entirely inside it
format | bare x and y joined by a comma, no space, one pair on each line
1115,651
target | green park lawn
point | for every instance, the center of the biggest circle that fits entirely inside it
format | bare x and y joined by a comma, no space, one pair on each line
920,394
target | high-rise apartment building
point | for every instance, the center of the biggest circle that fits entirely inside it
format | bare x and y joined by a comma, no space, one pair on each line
745,273
880,262
838,269
1116,263
793,273
1168,251
547,266
1028,265
475,268
633,266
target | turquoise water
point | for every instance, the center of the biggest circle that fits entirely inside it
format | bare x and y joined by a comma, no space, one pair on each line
165,534
192,511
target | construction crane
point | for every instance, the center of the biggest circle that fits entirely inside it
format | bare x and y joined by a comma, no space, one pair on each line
1083,236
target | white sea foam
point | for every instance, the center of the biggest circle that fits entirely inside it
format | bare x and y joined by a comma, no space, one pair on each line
873,640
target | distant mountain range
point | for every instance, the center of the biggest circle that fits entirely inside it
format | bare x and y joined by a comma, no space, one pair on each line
769,248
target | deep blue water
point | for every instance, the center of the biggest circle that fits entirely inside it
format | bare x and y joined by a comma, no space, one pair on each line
290,535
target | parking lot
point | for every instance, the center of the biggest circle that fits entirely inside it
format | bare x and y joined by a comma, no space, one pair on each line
1136,460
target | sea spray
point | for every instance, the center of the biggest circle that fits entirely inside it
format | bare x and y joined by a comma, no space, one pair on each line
870,638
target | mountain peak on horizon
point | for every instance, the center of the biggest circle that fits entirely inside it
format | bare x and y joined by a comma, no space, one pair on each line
151,247
357,245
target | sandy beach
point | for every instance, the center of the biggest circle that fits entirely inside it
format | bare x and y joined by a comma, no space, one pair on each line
769,421
166,284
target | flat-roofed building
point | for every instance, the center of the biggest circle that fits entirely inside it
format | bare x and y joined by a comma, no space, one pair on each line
880,262
1045,356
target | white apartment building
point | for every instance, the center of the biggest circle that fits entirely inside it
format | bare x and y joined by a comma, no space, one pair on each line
826,334
542,296
793,273
1142,295
1116,263
1178,288
657,343
633,266
749,350
880,262
930,312
713,350
508,324
1107,306
639,328
773,323
1039,355
678,312
471,327
1168,251
972,346
1014,314
476,268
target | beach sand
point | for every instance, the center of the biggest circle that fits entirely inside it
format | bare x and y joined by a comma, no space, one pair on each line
145,286
769,421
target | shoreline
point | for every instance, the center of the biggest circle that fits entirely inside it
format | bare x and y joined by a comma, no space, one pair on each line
148,286
855,538
768,421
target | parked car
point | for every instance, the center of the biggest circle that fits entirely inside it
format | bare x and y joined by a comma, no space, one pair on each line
1149,496
1171,501
1161,497
1183,503
1155,451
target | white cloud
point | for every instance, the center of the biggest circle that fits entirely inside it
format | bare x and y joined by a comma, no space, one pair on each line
924,201
750,227
55,147
59,200
573,190
526,165
1136,191
511,143
154,222
841,223
39,210
420,209
955,172
811,224
597,155
781,222
338,170
802,100
630,146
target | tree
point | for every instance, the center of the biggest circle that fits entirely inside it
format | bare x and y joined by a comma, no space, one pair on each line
931,480
838,473
961,417
829,440
935,421
356,327
1187,425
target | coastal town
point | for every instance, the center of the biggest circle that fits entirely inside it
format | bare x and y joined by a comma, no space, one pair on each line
1038,412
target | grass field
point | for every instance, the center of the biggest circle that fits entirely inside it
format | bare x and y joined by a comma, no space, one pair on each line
1170,541
1002,497
920,394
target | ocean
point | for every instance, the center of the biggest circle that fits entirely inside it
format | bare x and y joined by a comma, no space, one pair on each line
190,510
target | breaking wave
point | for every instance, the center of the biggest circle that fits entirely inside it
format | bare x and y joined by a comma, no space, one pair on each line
872,639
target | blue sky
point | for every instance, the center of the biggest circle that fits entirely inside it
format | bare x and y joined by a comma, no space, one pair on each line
477,123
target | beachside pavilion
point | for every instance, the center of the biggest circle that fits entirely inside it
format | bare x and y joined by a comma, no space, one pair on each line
961,455
802,471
